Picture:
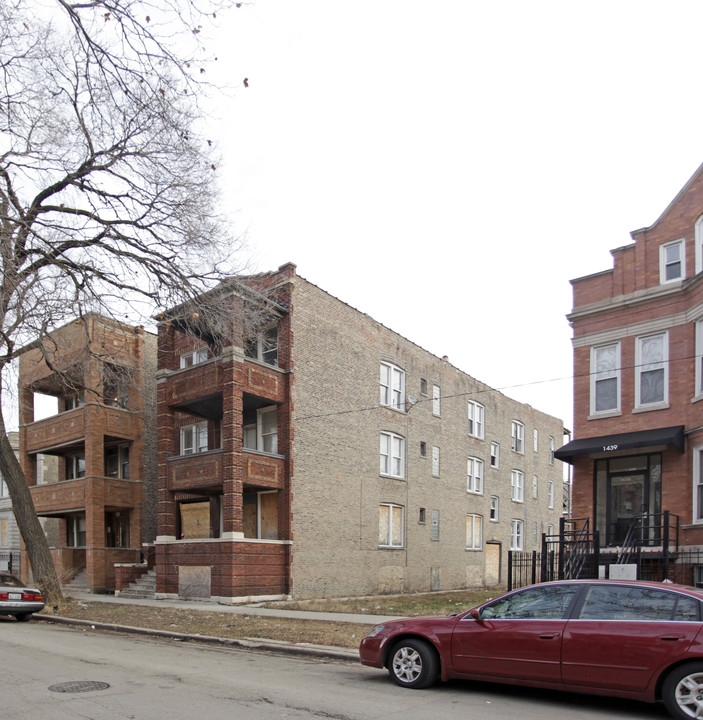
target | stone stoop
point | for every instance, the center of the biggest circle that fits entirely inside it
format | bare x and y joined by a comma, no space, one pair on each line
144,587
78,583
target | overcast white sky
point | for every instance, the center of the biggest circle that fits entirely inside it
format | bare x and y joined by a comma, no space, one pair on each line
448,166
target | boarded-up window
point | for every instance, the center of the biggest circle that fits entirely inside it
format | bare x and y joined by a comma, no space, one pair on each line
260,515
390,525
195,520
4,532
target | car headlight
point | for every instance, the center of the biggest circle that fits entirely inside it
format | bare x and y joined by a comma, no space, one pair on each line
375,631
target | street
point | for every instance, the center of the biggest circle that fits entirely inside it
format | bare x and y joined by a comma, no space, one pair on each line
153,679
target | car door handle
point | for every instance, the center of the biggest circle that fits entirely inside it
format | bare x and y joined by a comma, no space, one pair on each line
671,638
549,636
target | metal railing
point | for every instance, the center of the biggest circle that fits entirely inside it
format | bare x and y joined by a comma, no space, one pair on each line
10,561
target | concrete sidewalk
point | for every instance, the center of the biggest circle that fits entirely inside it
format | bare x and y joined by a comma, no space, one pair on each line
309,649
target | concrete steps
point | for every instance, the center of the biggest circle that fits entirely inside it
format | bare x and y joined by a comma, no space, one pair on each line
144,587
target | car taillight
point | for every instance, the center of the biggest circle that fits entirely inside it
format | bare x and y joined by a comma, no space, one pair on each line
32,597
3,596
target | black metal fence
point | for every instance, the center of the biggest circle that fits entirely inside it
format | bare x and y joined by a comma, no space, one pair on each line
10,560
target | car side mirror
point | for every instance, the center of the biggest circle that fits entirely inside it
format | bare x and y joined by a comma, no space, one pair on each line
475,614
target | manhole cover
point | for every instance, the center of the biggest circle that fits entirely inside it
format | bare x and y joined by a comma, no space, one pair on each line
79,686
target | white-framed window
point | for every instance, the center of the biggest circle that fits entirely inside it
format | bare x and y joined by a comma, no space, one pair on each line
476,419
194,357
263,346
517,535
652,370
550,502
517,486
552,450
474,476
535,487
535,440
550,530
392,385
605,378
534,533
474,532
423,386
391,519
194,438
495,509
518,437
436,400
698,484
263,436
75,466
421,516
495,455
672,261
435,461
699,244
392,455
4,491
699,357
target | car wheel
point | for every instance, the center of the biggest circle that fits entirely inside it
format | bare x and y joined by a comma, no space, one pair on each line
413,664
23,617
682,691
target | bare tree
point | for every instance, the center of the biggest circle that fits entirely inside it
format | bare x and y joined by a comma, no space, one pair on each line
106,180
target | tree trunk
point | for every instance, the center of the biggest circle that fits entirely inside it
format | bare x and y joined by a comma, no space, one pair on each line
31,530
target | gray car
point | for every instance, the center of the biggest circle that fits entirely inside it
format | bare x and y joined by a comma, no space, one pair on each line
17,599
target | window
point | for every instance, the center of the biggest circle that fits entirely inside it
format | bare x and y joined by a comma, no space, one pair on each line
435,400
534,533
423,449
672,261
264,346
517,486
625,602
551,495
495,455
474,476
390,525
518,437
535,489
116,382
535,440
699,244
550,530
4,492
263,436
195,357
392,386
194,438
539,603
552,449
605,378
117,462
474,532
421,516
73,401
75,466
495,509
423,386
517,533
435,461
651,370
435,525
476,419
76,530
698,484
699,358
392,455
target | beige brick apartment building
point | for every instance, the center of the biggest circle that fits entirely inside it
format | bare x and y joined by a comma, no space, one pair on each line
318,453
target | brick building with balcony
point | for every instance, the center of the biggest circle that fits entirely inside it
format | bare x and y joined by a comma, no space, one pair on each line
314,452
101,432
638,385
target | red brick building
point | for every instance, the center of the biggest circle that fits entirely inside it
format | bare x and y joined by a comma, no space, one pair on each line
638,382
100,373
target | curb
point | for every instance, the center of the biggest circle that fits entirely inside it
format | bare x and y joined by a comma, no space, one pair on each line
280,646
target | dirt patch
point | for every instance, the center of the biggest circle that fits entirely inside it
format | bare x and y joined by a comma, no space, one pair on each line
217,624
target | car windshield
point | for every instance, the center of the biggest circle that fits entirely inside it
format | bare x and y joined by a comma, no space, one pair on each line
10,580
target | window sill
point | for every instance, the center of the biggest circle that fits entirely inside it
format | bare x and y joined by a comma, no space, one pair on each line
474,492
649,408
604,414
697,398
194,455
391,547
253,451
474,549
392,477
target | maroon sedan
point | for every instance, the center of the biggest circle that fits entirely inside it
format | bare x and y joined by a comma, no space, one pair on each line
638,640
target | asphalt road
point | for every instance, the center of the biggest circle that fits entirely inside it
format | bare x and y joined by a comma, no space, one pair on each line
155,679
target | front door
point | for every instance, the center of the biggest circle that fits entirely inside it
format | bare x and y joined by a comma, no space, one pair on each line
627,501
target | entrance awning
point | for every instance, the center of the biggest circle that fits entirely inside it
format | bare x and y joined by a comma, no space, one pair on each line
622,441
